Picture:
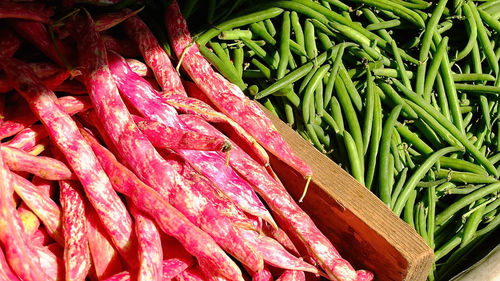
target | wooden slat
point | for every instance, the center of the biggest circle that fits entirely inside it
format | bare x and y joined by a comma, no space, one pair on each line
364,230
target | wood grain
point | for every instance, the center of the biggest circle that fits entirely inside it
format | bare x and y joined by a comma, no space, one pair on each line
364,230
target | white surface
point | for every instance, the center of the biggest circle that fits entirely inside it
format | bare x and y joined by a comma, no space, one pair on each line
487,269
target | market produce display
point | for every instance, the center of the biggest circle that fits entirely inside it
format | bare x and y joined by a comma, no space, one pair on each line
120,162
404,95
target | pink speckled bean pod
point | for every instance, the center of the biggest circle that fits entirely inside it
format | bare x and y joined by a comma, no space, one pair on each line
209,164
27,138
139,68
220,201
44,207
274,254
363,275
228,98
298,224
36,33
42,166
76,244
231,128
174,267
121,46
51,264
182,195
154,55
108,20
264,275
122,276
19,254
27,11
45,187
292,275
171,221
71,87
6,273
29,219
150,251
163,136
192,274
65,135
41,237
279,235
9,42
105,259
99,2
45,69
70,104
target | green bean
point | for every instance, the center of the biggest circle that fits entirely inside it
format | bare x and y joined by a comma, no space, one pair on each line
295,75
432,198
263,69
299,34
251,74
235,34
443,101
297,49
374,19
237,22
350,33
238,59
418,175
495,158
414,139
390,173
408,211
445,26
399,186
451,93
472,29
271,107
339,5
322,27
472,223
456,206
323,138
331,122
447,247
223,56
354,158
462,165
465,177
272,61
350,114
284,50
337,113
318,99
426,44
400,66
478,89
394,96
308,94
434,67
472,77
398,165
260,30
383,25
310,40
397,9
253,90
436,116
390,72
384,188
326,42
314,138
270,27
375,141
484,40
368,117
490,20
351,89
222,67
420,221
422,5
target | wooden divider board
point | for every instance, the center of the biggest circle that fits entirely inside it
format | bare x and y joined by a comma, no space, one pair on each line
364,230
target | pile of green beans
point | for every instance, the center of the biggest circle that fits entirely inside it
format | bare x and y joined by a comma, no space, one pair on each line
403,94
